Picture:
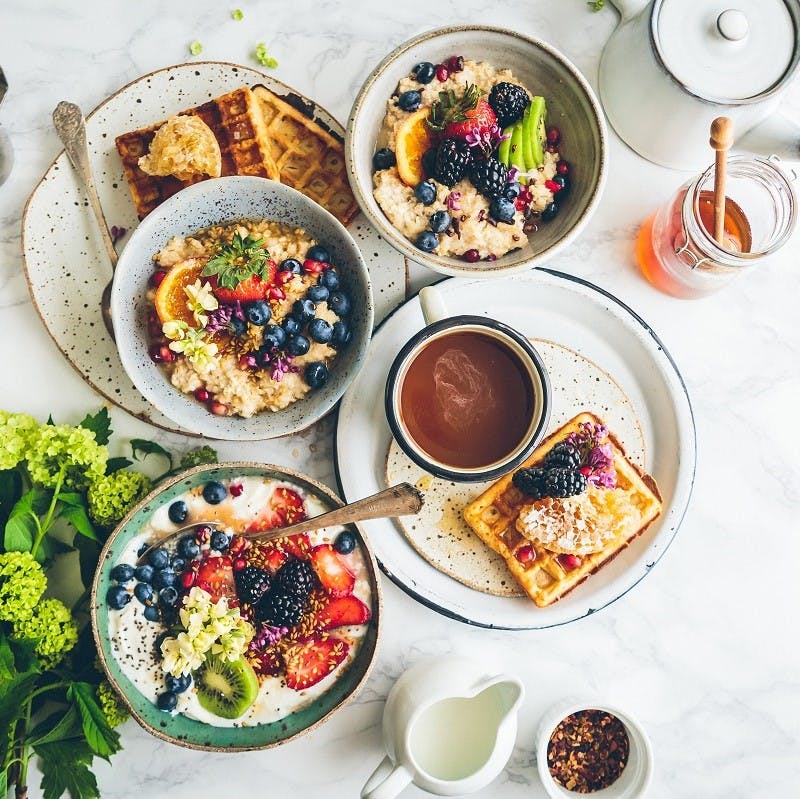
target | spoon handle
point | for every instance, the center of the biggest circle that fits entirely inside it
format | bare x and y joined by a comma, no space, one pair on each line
398,500
71,128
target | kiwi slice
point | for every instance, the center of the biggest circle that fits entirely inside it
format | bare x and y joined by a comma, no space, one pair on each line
226,688
527,141
538,131
516,155
504,150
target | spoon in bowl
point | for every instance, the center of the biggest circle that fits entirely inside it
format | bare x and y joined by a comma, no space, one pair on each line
399,500
71,128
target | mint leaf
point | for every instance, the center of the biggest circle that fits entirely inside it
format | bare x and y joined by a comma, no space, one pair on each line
65,769
23,525
99,424
102,740
76,515
144,447
115,464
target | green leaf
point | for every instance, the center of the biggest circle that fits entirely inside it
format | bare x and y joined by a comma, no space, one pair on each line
19,670
71,498
144,447
65,769
115,464
10,492
102,740
88,553
49,547
59,726
99,424
50,420
23,521
77,516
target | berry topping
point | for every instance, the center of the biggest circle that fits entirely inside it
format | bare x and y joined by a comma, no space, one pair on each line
258,313
526,554
117,597
383,159
122,573
157,277
569,562
562,168
563,454
345,542
530,482
236,489
341,334
163,578
274,336
455,64
549,211
214,492
553,136
410,100
342,611
562,482
281,610
339,303
312,660
311,267
168,597
144,574
471,256
201,395
295,578
248,290
490,177
320,331
331,570
440,221
219,541
442,73
143,592
453,157
427,241
508,102
151,613
251,584
463,116
329,279
178,511
502,210
423,72
319,252
303,310
317,293
177,685
188,547
291,265
158,559
425,192
167,701
290,325
298,345
316,374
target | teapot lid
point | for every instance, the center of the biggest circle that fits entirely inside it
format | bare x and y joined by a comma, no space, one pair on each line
726,51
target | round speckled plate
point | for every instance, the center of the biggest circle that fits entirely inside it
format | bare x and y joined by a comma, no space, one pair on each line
62,252
440,534
183,730
611,340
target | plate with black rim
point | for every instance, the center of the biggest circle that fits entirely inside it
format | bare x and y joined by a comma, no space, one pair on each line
579,316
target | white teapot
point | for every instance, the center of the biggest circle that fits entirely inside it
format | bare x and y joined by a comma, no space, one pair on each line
672,66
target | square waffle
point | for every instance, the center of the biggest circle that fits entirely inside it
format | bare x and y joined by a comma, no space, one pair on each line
237,123
547,578
309,158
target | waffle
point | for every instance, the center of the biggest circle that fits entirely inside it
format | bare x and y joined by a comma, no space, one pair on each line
309,158
547,578
237,124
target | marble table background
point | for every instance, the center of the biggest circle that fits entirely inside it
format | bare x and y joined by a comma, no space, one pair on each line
706,651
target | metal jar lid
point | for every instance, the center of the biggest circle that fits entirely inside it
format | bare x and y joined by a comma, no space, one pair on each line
727,51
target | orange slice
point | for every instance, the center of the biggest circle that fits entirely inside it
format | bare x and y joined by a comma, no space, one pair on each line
414,137
170,299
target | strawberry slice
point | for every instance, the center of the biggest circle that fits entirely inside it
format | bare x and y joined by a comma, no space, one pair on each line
250,289
478,120
297,545
285,507
215,575
341,611
275,559
310,661
331,570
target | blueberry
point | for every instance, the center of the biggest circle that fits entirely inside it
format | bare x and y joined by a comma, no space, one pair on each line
383,159
440,221
143,592
258,313
410,100
424,72
188,547
219,541
549,211
117,597
214,492
512,191
316,374
317,293
345,542
291,265
164,579
177,685
320,331
122,573
151,613
238,326
502,210
303,310
339,303
290,325
167,701
341,334
329,279
168,597
144,574
429,162
298,345
178,511
319,252
427,241
562,181
425,192
178,564
158,559
142,549
274,336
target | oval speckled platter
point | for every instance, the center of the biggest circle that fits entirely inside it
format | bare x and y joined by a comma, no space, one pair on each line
576,314
63,255
440,534
189,732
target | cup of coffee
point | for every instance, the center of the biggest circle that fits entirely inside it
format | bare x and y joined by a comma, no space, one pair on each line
468,397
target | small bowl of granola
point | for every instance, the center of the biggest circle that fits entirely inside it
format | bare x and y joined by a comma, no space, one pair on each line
588,747
241,309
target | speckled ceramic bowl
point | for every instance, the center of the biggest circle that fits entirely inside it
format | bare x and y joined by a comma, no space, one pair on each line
571,106
222,201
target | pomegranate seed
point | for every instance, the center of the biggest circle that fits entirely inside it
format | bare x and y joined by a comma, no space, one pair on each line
526,554
553,136
286,276
586,470
202,534
313,267
167,355
455,63
237,544
471,256
187,579
201,395
218,408
442,73
157,277
239,564
526,195
153,325
276,293
553,186
236,489
155,353
520,204
562,167
569,562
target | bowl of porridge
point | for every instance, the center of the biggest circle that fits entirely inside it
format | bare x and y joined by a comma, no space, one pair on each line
477,151
241,309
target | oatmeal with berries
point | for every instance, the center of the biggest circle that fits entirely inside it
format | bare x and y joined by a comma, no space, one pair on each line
246,317
464,164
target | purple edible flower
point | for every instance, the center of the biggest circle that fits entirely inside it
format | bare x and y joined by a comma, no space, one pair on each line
486,140
596,453
267,636
452,200
220,318
512,175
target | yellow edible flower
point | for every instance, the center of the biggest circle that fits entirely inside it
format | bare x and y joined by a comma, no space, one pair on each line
200,299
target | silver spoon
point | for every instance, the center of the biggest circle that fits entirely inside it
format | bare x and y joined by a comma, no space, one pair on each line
71,129
399,500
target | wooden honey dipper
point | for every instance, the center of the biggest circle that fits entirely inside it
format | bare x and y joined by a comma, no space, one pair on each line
721,140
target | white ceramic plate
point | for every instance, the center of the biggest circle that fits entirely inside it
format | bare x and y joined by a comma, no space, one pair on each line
63,254
576,314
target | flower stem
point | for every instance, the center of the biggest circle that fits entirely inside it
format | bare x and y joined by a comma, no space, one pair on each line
48,517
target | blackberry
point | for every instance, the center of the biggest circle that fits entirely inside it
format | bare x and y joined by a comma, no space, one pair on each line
452,161
508,101
563,454
280,610
251,584
429,162
563,482
295,578
530,482
489,177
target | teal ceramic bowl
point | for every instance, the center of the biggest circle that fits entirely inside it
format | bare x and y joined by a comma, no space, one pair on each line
182,730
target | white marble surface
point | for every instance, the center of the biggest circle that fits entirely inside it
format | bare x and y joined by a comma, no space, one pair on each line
706,651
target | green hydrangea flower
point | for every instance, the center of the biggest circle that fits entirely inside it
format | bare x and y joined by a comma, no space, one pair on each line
113,495
22,583
52,628
114,711
71,449
198,456
16,431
